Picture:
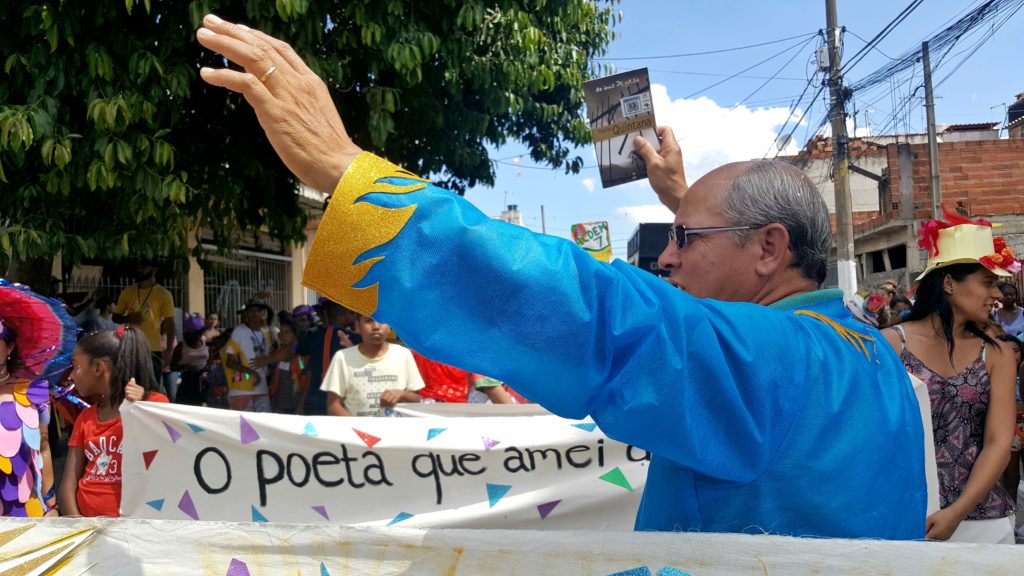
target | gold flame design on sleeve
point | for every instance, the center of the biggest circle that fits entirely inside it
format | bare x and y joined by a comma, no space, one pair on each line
857,339
350,228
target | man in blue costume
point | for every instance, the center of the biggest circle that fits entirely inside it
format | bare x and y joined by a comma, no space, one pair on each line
767,408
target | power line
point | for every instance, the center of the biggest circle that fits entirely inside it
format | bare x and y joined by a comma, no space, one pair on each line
747,69
856,58
873,47
707,52
777,72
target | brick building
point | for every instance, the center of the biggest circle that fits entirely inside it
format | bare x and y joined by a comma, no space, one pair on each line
980,175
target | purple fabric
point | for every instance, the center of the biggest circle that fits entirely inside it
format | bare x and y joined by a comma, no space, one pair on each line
9,418
17,510
9,491
20,462
38,392
959,408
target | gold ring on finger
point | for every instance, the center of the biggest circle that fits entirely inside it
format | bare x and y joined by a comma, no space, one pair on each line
263,79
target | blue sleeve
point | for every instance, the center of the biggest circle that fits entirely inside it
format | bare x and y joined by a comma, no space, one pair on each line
713,386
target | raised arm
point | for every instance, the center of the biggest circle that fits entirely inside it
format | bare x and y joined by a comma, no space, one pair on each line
655,367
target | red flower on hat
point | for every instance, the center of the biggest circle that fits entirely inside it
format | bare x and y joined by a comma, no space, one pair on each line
1003,257
928,236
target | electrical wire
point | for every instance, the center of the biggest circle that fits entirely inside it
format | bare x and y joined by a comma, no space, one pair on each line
747,69
707,52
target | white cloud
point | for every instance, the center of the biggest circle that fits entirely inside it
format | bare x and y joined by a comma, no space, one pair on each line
646,213
711,135
588,183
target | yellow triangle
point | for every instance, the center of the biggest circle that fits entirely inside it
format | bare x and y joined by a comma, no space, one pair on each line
8,535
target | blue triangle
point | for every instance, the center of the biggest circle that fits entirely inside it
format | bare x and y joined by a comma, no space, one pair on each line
323,570
402,517
495,492
589,426
256,516
156,504
670,571
309,430
196,429
638,571
434,432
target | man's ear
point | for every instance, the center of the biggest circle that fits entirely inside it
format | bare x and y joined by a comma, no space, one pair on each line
775,255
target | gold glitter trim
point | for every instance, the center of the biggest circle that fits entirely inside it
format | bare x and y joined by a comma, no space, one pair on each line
855,338
7,535
350,228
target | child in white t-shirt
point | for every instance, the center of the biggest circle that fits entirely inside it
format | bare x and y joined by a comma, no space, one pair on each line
363,379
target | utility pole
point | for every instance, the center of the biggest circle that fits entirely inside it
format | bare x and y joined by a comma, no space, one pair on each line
933,143
543,224
847,266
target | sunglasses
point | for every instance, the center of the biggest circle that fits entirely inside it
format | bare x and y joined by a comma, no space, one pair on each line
680,234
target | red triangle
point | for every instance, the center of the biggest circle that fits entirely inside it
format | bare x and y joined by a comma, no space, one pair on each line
369,439
148,457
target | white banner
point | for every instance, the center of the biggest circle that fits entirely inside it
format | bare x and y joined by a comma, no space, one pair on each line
183,462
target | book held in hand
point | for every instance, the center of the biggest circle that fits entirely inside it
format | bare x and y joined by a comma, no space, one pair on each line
619,108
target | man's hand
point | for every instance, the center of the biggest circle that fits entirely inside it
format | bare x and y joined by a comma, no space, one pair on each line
134,318
291,102
664,167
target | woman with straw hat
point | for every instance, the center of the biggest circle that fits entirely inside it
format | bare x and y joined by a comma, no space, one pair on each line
970,378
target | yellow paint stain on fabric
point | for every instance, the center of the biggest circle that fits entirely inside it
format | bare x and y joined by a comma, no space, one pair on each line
7,535
350,228
455,562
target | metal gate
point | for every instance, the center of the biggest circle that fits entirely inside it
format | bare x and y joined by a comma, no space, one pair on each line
232,279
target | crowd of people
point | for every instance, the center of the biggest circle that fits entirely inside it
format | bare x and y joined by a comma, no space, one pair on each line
286,363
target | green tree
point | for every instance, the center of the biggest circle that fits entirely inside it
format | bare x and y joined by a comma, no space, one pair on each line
112,147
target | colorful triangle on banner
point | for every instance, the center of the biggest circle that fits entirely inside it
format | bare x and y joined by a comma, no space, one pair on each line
489,442
195,428
238,568
187,506
588,426
321,510
369,439
157,505
670,571
546,508
433,432
402,517
247,432
323,570
257,516
639,571
148,456
495,492
309,430
615,476
174,434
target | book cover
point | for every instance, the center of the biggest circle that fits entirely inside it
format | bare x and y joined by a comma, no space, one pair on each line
619,108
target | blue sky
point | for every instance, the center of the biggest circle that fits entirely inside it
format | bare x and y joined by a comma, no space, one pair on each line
711,127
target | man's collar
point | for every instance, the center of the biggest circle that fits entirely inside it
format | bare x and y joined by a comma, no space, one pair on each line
806,299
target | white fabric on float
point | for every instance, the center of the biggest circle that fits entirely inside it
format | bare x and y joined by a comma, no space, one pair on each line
134,547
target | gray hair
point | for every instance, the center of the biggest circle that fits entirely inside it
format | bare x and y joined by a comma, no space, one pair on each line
773,191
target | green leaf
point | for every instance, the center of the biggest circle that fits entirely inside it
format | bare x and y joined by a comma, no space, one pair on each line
52,36
5,242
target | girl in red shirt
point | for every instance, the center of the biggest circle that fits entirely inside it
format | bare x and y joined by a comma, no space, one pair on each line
109,367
